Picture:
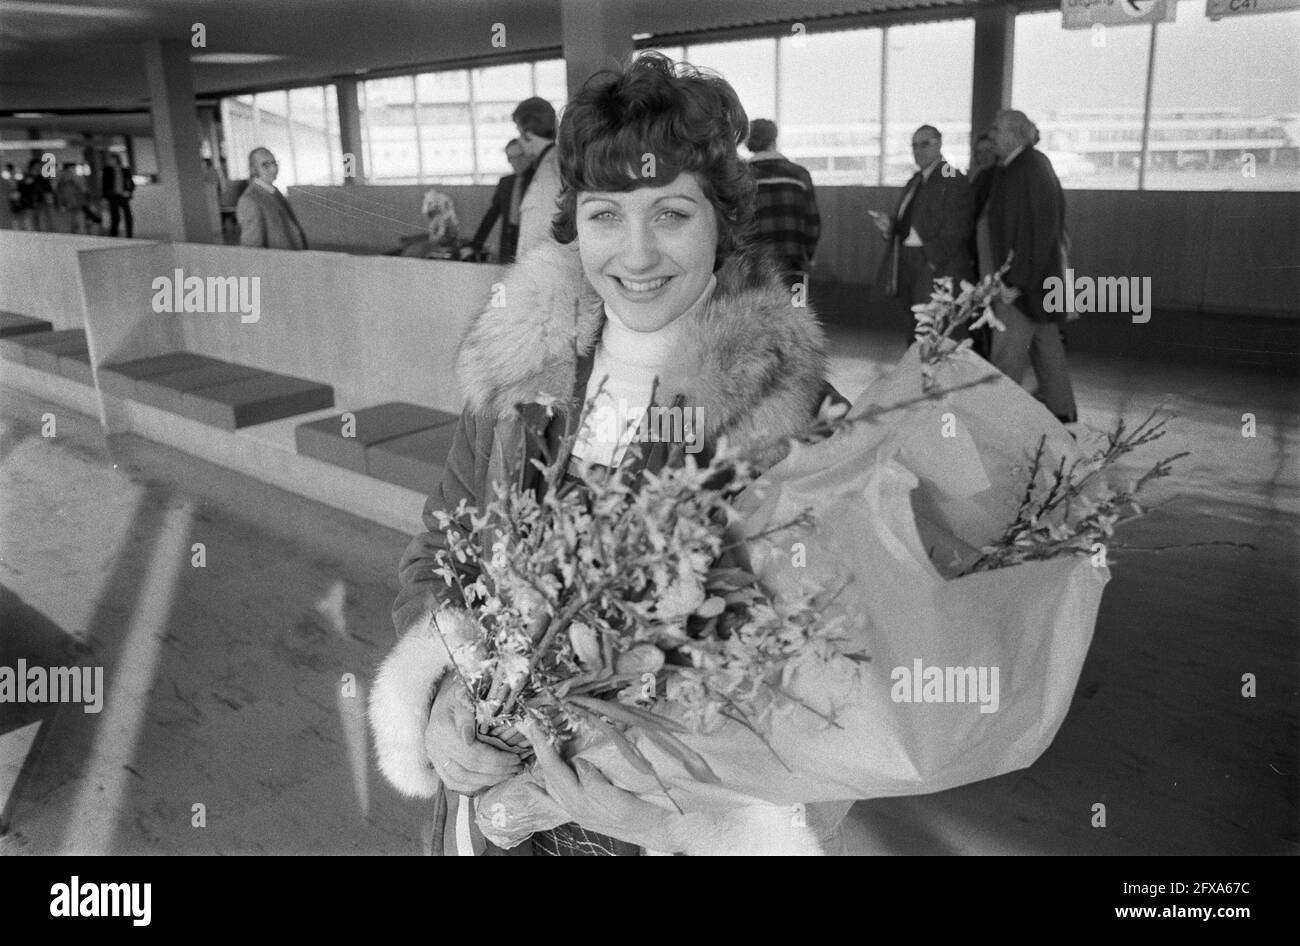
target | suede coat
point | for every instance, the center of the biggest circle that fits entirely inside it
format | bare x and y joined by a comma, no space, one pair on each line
753,362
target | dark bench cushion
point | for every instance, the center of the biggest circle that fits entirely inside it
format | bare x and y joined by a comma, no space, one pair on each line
414,461
11,323
119,379
164,390
212,391
42,349
324,440
75,366
256,399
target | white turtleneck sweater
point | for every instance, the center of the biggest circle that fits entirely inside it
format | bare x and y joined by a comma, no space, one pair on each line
628,362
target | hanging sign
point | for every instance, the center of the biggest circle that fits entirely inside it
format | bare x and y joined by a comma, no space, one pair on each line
1218,9
1085,14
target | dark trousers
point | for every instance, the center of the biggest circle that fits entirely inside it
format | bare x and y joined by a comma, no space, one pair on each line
915,281
120,207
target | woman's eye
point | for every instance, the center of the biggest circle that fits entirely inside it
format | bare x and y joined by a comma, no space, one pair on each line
674,215
602,215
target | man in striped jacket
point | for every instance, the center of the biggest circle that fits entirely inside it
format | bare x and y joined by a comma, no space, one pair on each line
785,210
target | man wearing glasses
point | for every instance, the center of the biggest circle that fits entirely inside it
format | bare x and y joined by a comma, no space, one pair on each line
265,217
930,229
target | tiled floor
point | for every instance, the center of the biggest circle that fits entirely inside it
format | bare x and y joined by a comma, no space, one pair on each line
226,679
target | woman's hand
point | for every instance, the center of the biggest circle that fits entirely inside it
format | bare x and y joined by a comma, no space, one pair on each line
594,802
464,764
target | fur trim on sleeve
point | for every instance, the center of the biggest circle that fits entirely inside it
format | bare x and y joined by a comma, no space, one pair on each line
401,698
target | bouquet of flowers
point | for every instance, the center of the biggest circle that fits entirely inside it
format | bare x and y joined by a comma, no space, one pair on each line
595,598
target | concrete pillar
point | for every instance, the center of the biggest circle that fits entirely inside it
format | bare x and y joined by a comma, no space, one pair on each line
597,35
176,138
354,160
995,37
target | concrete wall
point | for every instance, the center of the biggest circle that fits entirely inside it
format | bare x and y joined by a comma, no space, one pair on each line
1226,252
375,328
39,275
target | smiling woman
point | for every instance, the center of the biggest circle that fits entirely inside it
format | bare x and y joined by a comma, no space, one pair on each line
649,296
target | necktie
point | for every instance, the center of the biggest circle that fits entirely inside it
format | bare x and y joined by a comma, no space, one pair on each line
905,220
293,217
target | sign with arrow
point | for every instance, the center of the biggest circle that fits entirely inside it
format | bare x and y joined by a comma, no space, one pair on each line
1085,14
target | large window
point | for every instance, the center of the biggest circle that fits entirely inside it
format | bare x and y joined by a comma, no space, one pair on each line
1224,100
1225,103
1084,91
824,92
830,105
929,75
450,127
748,66
300,126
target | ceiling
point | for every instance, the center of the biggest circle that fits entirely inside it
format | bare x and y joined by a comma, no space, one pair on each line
84,58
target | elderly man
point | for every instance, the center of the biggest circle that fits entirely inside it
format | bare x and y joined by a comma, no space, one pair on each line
930,229
1025,217
535,120
265,217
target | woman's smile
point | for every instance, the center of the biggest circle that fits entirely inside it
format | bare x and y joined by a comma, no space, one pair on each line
639,290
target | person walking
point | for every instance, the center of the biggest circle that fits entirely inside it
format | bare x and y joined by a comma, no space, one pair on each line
929,230
1025,219
785,208
505,207
119,188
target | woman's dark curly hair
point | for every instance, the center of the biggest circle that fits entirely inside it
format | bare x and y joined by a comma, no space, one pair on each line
685,119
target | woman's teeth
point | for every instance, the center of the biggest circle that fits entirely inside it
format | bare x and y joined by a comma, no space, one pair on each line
642,286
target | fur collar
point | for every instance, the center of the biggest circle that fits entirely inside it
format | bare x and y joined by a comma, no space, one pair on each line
755,363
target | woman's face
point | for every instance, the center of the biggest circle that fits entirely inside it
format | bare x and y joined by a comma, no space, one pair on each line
649,252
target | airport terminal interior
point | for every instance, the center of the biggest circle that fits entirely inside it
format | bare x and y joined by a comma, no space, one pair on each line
179,507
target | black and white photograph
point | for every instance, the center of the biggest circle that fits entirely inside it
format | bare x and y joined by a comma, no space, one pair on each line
628,428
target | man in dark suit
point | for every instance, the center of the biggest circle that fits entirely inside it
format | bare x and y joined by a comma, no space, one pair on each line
929,230
118,189
505,206
265,217
1025,217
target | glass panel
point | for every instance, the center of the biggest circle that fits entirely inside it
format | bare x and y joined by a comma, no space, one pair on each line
388,124
237,129
512,83
495,128
1086,99
830,105
750,67
443,86
1224,104
552,82
334,141
931,67
273,132
447,146
306,108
